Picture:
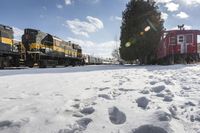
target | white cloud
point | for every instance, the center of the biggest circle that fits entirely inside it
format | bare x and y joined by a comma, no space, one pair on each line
44,8
82,43
163,1
172,6
85,27
41,16
95,1
191,2
68,2
18,33
97,49
182,15
164,15
112,18
59,6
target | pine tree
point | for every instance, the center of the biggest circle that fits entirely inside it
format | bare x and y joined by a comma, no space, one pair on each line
140,31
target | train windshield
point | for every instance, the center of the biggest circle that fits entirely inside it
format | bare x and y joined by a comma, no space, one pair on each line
6,34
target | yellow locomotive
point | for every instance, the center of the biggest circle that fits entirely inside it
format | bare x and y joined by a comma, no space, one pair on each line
37,48
9,55
45,49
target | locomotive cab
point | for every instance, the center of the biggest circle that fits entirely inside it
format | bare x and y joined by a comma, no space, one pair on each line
9,55
6,38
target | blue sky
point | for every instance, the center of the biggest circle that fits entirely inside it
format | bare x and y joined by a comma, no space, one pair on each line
94,24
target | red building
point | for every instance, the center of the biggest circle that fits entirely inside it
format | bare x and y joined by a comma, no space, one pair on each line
178,46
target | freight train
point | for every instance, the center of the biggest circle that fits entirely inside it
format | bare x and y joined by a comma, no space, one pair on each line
179,46
91,60
37,48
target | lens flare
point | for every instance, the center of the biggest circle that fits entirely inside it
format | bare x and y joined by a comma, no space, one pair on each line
128,44
147,28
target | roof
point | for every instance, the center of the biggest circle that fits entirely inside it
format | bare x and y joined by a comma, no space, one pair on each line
182,31
5,27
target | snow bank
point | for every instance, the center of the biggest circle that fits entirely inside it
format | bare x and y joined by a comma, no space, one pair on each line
101,99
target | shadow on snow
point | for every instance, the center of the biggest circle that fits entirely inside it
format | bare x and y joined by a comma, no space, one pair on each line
152,68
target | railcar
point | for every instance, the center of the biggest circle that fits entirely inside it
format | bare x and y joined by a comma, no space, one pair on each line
9,56
91,60
44,49
179,46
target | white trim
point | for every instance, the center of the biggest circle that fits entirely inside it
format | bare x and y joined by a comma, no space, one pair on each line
57,39
178,40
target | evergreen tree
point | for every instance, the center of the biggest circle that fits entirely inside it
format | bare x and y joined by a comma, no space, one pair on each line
140,31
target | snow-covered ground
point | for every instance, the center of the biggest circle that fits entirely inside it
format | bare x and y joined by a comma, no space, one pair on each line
101,99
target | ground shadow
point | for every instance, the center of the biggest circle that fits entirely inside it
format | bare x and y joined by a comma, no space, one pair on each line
24,71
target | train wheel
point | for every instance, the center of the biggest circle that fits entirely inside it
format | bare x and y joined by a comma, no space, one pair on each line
16,62
73,64
54,66
1,64
30,64
43,64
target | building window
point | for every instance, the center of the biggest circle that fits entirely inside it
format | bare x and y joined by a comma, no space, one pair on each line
189,38
180,39
173,40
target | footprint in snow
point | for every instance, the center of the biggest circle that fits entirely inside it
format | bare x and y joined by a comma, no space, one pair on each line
105,96
125,90
78,127
87,111
77,106
186,88
142,102
163,116
116,116
87,88
153,82
149,129
12,126
84,122
190,103
77,100
145,91
168,98
106,81
105,88
5,124
13,98
158,89
78,115
151,76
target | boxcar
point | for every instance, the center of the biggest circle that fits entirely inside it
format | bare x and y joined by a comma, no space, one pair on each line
179,46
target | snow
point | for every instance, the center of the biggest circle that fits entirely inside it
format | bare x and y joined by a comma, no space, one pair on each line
101,99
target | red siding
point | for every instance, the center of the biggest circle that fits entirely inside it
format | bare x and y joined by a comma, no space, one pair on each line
166,49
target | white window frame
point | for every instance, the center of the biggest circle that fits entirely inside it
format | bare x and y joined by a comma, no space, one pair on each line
178,39
170,40
198,44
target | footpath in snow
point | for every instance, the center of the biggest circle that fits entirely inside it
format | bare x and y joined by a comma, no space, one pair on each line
101,99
